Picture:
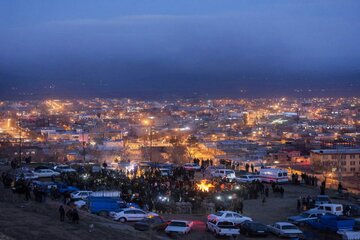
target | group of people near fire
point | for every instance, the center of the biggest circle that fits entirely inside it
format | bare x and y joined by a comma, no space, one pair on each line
151,190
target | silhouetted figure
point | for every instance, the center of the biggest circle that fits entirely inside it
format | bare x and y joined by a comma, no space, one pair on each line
62,213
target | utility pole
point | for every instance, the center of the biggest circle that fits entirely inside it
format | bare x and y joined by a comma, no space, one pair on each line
151,139
83,145
20,142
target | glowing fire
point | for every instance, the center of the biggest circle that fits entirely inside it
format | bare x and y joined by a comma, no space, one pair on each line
203,186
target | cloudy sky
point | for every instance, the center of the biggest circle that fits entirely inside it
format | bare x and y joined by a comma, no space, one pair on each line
163,48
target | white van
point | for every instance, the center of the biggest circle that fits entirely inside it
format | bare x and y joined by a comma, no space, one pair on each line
273,175
165,172
336,209
224,173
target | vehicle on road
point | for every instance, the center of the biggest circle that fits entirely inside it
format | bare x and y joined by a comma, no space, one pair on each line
250,228
285,229
80,195
46,173
230,216
335,209
192,166
64,169
247,179
273,175
151,223
222,228
179,226
224,173
132,214
304,217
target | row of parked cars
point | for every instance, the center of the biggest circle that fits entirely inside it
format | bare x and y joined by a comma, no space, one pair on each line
324,216
44,172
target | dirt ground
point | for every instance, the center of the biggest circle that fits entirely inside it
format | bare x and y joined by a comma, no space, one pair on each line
274,210
23,220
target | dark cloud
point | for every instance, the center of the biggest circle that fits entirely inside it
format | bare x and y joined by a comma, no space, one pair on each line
263,50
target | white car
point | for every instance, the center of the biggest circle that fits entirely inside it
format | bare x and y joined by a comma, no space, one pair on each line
131,214
179,226
285,229
224,173
247,179
64,169
222,228
228,216
27,176
77,195
45,173
192,166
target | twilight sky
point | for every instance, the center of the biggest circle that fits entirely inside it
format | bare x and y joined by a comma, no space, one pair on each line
163,48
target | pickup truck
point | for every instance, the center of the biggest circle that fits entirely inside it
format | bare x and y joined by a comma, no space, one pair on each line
332,223
222,228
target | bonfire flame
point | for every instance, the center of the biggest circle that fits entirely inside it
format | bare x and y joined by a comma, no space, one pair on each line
204,186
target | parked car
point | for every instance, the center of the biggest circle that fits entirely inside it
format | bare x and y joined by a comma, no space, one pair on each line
179,226
351,210
165,172
222,228
62,188
247,178
44,186
4,162
191,166
46,173
322,199
285,229
26,176
304,217
77,195
131,214
95,168
335,209
64,169
250,228
332,223
350,235
103,205
273,175
224,173
151,223
230,216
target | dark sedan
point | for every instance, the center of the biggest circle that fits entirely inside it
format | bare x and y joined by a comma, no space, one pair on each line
153,223
250,228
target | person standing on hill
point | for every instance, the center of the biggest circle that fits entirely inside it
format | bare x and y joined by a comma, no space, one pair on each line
75,216
62,213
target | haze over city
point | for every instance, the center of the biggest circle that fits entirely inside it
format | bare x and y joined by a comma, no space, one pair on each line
157,49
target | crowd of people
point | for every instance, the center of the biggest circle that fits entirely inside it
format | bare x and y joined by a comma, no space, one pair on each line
304,179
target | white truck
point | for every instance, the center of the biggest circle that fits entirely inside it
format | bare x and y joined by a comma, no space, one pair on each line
222,228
